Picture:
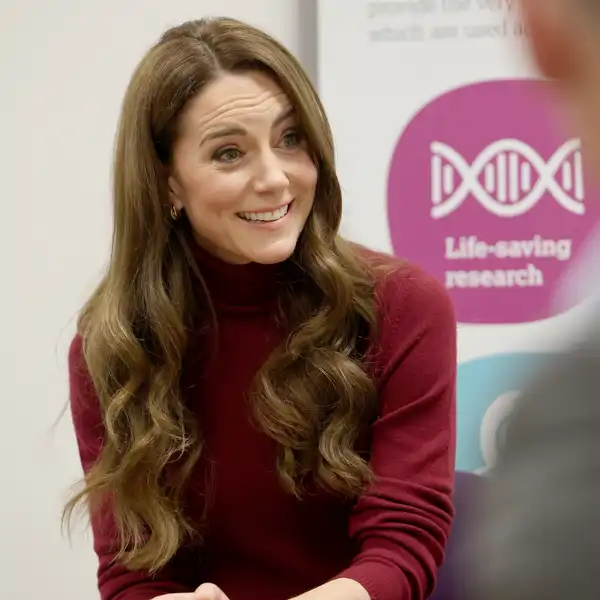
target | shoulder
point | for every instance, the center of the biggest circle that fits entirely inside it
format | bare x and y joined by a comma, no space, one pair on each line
560,396
405,294
76,360
415,317
555,422
78,373
81,388
86,414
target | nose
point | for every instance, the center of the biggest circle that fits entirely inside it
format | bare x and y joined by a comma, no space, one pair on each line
270,174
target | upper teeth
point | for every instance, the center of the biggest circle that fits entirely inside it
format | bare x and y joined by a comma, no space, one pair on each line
265,216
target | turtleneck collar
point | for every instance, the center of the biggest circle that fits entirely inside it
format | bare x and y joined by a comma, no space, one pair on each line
250,285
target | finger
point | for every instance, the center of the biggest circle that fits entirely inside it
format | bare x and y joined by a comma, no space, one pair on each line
180,596
209,591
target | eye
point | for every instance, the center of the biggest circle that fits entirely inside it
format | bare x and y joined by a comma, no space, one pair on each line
292,138
227,155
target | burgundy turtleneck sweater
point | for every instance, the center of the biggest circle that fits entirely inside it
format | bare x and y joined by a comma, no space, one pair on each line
261,543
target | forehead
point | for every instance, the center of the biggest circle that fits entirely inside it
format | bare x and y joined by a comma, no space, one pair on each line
233,97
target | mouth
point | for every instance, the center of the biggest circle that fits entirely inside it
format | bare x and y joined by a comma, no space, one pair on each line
266,216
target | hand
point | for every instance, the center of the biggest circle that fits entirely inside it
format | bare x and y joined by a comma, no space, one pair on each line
337,589
208,591
185,596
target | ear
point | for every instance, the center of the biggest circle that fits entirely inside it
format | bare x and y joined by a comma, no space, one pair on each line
175,193
552,37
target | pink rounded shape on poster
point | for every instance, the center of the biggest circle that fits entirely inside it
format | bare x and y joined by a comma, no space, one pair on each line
488,193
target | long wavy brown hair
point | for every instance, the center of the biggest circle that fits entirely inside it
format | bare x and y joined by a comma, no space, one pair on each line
313,396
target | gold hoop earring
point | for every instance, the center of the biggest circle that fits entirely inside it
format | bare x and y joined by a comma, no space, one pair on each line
174,213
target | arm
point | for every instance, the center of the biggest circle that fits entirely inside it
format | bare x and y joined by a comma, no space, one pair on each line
401,526
115,582
541,507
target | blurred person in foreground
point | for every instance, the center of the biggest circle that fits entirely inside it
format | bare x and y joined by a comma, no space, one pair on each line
539,531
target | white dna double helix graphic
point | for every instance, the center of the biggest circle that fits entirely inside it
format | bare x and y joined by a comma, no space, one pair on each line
501,178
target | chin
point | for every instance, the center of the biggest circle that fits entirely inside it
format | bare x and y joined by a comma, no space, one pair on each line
275,253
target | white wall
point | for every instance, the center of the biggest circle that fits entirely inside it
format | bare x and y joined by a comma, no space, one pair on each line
64,66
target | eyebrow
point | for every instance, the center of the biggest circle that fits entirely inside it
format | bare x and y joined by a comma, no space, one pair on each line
236,130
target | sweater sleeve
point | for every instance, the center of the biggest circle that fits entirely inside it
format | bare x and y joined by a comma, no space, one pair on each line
115,582
401,524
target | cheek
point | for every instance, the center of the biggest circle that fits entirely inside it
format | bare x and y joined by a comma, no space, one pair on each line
306,175
313,174
214,192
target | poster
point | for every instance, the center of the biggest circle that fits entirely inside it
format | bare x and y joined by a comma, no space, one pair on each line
452,154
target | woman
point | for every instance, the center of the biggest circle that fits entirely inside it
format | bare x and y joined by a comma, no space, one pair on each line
262,410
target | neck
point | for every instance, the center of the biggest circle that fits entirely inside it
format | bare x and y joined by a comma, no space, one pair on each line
239,286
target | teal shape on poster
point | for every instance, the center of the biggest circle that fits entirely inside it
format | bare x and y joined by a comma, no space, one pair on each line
487,388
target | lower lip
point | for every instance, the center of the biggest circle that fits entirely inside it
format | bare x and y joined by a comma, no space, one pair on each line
271,224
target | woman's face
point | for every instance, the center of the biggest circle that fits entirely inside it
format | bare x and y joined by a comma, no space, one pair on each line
242,170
